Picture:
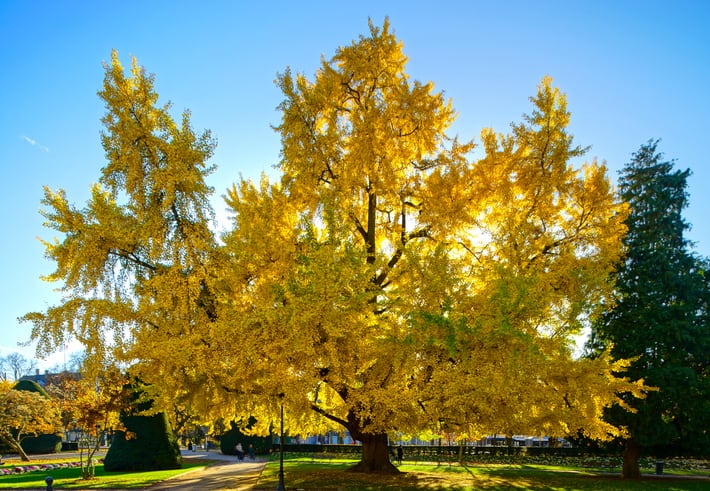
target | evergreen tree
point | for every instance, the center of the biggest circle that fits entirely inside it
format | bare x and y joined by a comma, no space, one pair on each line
661,317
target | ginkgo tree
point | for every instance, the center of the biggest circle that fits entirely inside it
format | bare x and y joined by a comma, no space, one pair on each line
134,261
389,281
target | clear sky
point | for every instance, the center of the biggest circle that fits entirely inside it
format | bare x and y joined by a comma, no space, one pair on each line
632,71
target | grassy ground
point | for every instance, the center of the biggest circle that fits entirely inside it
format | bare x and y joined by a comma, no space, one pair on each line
333,474
70,478
306,474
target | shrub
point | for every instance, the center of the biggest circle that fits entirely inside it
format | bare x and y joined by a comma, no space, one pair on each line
42,444
152,445
146,442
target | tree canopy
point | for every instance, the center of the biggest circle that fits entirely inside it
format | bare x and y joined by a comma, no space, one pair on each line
660,318
133,262
389,281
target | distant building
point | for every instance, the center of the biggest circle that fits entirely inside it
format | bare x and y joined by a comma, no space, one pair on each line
46,378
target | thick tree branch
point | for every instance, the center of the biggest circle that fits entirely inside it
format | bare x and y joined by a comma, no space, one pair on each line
358,226
329,416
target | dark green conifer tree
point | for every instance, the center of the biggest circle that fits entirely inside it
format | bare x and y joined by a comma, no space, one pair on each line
661,317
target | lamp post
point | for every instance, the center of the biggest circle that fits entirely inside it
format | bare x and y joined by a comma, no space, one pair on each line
281,486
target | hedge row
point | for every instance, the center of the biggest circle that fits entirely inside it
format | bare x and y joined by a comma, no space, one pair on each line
440,451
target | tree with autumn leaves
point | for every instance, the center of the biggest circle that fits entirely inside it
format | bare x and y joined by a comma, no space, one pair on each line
90,408
23,414
387,282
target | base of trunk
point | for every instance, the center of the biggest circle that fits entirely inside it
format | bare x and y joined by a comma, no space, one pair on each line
367,468
375,456
630,467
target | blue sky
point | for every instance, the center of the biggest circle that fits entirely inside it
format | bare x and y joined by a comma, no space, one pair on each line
632,71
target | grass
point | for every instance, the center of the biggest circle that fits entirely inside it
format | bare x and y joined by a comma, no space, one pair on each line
70,478
305,474
309,474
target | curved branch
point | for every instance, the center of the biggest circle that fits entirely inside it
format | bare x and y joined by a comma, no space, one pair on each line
329,416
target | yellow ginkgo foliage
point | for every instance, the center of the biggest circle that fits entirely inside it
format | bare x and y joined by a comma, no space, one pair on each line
389,281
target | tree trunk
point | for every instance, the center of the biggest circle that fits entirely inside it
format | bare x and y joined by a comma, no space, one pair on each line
630,469
17,447
375,455
88,469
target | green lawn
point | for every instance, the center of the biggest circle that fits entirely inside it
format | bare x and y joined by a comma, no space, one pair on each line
308,473
70,478
305,474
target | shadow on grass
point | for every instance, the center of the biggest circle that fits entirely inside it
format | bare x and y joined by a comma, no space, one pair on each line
335,476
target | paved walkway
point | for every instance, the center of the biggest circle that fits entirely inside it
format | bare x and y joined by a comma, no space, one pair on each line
225,474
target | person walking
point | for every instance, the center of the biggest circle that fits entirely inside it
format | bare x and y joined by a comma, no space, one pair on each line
239,451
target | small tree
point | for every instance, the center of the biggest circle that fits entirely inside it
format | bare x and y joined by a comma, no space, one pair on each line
24,414
92,407
45,442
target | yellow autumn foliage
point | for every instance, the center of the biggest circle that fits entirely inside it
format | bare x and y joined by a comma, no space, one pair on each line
387,281
23,414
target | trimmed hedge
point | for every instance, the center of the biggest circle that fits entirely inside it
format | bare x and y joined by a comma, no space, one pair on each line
446,452
153,446
147,443
70,446
308,448
42,444
30,386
